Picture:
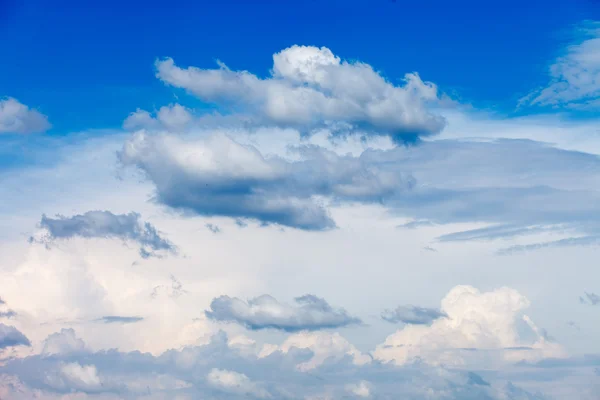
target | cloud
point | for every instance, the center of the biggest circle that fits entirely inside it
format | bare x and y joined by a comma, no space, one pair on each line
116,319
575,76
487,327
218,370
265,312
412,315
590,298
11,336
323,346
360,389
221,177
75,376
310,87
104,224
174,117
236,383
16,117
63,342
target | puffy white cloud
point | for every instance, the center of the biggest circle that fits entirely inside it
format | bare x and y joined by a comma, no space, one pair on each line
75,376
63,342
174,117
310,86
360,389
16,117
575,76
263,312
323,345
479,326
234,382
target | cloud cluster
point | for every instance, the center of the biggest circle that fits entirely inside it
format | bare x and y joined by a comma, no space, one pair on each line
575,76
16,117
263,312
219,370
104,224
311,87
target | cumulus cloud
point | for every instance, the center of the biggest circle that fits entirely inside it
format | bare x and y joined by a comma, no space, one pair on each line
263,312
575,75
63,342
174,117
11,336
412,315
217,370
236,383
479,326
104,224
309,87
16,117
219,176
323,346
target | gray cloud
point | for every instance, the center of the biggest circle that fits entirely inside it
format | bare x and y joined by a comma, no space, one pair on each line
311,87
412,315
16,117
310,313
11,336
104,224
117,319
223,177
590,298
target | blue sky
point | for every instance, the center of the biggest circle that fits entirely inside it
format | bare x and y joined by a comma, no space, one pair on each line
90,64
300,200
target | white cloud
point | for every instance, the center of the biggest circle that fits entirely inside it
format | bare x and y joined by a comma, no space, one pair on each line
16,117
234,382
310,87
575,76
174,118
479,326
360,389
323,345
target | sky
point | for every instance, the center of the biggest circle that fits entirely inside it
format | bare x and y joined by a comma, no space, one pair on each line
300,200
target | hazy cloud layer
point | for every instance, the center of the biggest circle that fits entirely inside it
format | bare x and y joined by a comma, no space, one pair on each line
310,313
311,87
104,224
